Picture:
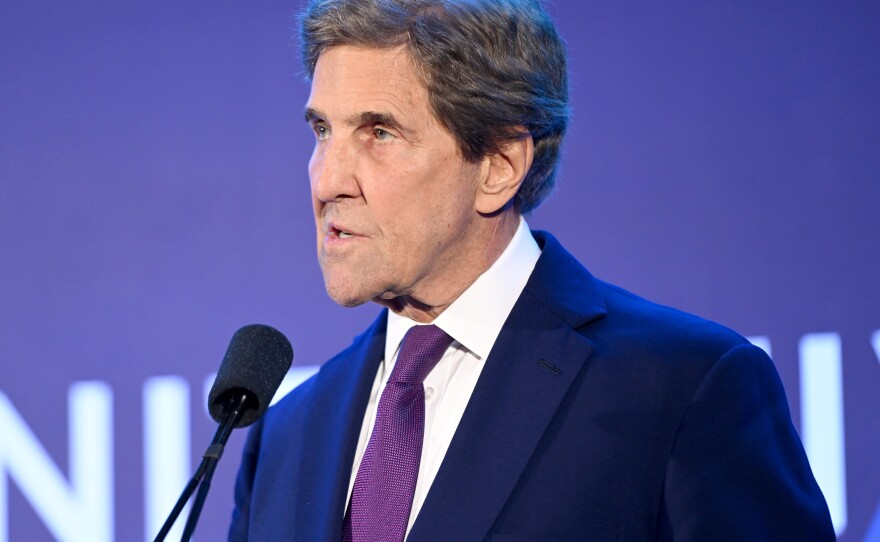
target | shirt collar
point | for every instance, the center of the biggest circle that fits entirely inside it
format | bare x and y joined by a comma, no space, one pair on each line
475,319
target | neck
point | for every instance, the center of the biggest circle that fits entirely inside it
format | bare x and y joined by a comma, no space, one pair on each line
486,247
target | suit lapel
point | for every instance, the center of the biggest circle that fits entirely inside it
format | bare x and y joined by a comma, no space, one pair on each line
340,399
530,369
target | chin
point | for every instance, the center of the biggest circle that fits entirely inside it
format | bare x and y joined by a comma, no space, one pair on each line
348,302
345,296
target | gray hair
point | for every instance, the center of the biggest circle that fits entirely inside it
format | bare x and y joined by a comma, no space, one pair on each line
491,67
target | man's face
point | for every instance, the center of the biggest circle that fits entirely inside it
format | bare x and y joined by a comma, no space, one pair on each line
393,198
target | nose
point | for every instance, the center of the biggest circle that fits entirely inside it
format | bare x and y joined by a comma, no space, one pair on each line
332,171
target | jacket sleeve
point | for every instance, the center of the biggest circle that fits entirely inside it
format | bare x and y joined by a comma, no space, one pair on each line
244,483
738,470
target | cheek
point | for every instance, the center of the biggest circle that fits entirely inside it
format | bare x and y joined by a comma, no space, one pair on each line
389,195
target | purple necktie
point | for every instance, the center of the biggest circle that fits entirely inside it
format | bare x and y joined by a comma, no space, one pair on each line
386,480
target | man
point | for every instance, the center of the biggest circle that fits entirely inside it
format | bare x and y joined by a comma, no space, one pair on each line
540,403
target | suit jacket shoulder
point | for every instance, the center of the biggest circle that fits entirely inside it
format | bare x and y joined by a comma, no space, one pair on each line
663,425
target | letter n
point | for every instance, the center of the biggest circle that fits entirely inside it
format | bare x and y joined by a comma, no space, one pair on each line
80,508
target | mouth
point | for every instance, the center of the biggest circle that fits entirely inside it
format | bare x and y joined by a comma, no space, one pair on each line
339,233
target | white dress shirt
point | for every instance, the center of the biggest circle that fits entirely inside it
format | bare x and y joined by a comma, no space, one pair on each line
474,321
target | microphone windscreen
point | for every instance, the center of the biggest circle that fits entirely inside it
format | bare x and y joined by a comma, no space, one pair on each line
256,361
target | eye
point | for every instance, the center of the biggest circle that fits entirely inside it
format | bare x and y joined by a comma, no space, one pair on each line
322,131
382,135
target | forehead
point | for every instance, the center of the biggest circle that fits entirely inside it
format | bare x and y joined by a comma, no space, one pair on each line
350,79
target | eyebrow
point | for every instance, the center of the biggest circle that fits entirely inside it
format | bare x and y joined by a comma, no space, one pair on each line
358,119
312,115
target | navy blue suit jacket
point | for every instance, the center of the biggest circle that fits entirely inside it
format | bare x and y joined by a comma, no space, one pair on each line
598,416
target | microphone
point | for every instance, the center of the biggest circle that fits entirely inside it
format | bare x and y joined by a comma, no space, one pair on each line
255,363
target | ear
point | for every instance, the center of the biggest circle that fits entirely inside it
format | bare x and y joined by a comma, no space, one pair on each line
503,173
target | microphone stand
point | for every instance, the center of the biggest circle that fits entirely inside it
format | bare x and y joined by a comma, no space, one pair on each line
236,407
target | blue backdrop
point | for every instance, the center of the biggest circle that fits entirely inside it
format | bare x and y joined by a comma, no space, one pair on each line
723,159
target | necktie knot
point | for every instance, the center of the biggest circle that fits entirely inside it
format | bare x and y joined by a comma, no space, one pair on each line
421,349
